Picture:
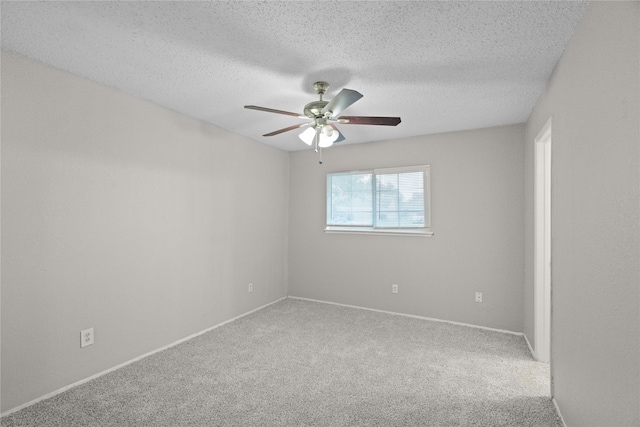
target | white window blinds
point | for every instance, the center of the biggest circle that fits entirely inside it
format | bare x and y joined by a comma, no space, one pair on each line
390,198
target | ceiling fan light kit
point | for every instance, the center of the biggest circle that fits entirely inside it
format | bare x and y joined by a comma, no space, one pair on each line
322,131
326,137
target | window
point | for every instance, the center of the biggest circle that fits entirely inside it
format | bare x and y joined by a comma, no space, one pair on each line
391,200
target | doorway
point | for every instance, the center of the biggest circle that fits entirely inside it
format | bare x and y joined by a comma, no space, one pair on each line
542,245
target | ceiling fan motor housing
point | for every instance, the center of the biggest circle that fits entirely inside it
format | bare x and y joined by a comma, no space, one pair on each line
313,110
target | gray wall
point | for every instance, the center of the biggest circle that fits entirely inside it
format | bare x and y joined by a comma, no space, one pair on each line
125,217
147,225
593,98
477,216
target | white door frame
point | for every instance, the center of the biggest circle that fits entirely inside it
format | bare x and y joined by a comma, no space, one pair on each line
542,243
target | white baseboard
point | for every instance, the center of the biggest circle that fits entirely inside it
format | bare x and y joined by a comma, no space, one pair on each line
92,377
555,403
412,315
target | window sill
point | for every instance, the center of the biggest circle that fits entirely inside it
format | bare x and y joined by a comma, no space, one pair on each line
379,231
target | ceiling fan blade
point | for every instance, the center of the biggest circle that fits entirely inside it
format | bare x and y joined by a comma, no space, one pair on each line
369,120
277,132
341,137
271,110
341,101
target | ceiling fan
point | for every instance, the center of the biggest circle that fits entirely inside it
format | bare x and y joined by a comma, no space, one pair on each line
322,131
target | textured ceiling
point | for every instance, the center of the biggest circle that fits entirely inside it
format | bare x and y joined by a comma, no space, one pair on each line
440,66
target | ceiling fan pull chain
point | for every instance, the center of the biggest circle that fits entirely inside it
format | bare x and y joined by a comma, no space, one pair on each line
320,153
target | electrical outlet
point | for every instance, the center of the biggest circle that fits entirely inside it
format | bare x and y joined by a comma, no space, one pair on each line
86,337
478,296
250,287
394,288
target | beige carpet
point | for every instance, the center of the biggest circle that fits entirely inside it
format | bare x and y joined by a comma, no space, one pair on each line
301,363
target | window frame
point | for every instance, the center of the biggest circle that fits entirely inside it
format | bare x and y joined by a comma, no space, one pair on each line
424,231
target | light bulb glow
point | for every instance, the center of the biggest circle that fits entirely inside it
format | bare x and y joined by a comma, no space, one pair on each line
326,140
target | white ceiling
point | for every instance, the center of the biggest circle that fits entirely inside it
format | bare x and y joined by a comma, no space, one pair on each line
440,66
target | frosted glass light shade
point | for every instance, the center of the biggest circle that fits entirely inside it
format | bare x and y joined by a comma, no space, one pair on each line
327,141
308,135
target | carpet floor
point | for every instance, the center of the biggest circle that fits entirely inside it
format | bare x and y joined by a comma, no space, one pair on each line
303,363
